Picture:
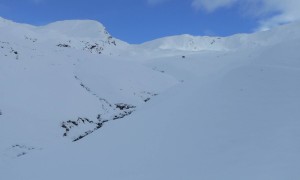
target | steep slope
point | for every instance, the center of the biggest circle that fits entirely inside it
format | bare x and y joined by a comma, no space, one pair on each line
224,113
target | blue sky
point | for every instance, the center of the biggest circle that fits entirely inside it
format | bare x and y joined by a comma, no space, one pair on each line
137,21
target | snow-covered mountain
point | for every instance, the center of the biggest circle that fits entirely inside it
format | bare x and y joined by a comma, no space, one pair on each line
77,103
236,42
81,35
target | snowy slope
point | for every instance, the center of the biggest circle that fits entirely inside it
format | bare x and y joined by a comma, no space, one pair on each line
174,108
42,78
236,42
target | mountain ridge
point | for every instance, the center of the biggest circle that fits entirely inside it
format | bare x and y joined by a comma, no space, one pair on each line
96,27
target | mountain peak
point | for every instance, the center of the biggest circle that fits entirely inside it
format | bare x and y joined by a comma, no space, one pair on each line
79,28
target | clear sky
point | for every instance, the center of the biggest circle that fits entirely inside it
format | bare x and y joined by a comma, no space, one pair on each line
137,21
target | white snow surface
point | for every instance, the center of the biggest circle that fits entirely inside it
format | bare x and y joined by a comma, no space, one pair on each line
76,103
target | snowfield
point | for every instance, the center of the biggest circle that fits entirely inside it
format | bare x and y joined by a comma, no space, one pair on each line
76,103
